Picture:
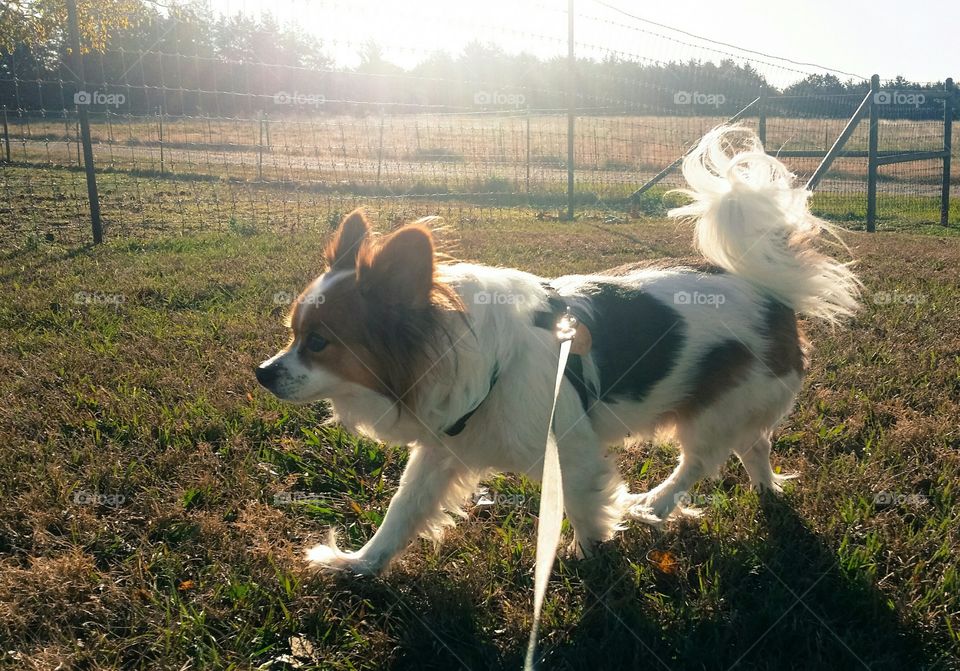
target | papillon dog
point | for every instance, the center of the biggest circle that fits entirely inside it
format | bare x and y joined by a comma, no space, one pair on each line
458,360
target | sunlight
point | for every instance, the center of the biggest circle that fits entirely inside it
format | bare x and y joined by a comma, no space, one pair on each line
409,32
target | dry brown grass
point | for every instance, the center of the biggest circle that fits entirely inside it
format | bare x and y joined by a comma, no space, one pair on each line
198,566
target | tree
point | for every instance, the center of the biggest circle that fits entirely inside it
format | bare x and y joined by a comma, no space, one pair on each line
36,24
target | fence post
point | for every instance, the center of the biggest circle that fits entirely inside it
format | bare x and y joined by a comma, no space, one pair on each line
872,156
380,150
571,107
947,149
84,120
762,115
528,151
6,135
260,147
160,130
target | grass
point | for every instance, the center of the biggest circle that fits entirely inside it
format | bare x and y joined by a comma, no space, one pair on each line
155,501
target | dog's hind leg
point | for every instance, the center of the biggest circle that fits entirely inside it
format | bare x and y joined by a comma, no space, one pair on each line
738,422
703,451
755,457
432,486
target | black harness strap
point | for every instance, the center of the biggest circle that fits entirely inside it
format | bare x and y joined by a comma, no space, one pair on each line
458,426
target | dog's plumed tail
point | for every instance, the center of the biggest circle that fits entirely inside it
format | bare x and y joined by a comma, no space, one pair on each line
752,221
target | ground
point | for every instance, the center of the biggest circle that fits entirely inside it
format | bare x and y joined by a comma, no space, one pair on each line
155,501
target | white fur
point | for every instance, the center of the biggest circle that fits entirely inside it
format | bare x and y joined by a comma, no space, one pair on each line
752,221
748,209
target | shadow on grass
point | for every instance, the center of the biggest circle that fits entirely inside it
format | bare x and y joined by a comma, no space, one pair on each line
434,624
31,261
797,609
780,601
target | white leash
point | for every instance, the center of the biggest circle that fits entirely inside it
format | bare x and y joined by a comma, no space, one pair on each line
551,495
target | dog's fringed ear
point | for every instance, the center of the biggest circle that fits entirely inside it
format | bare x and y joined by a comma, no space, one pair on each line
400,271
341,252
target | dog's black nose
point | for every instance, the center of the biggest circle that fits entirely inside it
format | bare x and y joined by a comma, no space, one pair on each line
267,375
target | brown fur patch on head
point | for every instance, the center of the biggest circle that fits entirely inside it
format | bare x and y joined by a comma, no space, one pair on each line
339,318
386,321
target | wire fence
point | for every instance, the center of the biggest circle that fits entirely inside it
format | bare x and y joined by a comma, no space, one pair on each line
204,122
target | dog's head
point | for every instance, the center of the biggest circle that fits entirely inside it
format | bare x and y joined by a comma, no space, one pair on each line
367,323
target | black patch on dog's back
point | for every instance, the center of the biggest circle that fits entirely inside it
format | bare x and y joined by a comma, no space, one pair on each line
636,339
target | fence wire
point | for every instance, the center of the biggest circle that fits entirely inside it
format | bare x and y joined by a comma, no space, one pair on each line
208,122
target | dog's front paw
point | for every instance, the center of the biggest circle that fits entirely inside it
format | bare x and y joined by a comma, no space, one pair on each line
328,557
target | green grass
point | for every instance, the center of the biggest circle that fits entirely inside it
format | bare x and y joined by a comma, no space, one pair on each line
211,488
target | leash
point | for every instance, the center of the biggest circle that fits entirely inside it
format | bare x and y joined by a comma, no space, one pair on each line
551,491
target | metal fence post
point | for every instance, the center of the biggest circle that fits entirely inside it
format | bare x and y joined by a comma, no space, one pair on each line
380,150
762,115
6,135
571,107
160,131
872,156
84,120
260,148
949,92
528,151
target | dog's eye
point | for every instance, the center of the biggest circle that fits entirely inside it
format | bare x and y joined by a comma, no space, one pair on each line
315,343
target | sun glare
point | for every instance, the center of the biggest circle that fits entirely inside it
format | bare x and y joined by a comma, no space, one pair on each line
409,32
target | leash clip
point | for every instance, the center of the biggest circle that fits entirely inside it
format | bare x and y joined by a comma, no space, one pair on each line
566,327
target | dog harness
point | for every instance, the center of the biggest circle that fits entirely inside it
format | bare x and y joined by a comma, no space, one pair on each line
544,319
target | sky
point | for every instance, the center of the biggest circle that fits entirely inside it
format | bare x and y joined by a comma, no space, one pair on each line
919,39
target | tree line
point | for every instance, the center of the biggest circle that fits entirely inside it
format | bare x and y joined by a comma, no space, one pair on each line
186,60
